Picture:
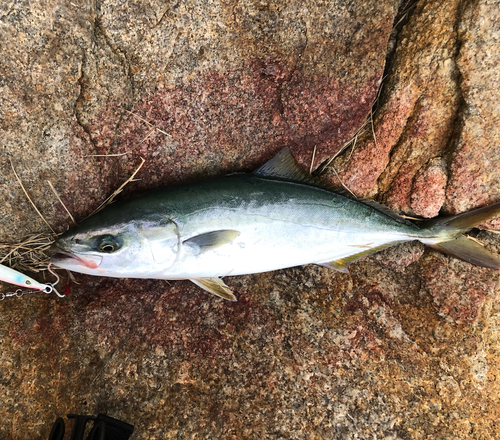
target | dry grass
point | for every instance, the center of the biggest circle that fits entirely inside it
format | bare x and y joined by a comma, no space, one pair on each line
111,198
368,125
108,155
61,202
349,144
29,198
152,126
311,168
32,253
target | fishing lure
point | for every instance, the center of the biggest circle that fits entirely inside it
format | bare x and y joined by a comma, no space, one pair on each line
12,276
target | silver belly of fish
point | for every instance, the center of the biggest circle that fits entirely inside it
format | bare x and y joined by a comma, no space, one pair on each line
270,238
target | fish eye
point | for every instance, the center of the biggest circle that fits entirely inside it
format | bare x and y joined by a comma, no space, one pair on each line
107,248
108,243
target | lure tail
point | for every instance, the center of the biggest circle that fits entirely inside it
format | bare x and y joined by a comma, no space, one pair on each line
455,244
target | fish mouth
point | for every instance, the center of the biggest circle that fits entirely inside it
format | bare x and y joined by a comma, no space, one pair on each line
63,258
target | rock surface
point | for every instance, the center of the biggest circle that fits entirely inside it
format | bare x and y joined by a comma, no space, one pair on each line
405,346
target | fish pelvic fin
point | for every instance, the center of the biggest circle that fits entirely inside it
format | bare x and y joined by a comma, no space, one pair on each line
465,249
215,286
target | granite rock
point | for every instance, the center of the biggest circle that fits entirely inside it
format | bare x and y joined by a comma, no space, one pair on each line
476,182
432,144
405,346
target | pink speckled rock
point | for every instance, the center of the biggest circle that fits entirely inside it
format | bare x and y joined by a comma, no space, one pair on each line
416,116
459,291
227,84
421,119
475,166
428,189
367,162
404,346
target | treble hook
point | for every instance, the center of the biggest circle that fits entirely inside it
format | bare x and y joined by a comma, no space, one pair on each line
51,286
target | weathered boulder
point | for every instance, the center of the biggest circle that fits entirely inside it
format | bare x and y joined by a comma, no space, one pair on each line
404,346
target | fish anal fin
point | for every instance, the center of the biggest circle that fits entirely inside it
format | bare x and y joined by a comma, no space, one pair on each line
211,240
342,264
470,251
215,286
338,265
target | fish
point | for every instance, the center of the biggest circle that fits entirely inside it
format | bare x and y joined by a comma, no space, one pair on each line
277,217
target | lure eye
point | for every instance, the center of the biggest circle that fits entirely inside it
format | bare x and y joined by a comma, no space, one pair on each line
109,243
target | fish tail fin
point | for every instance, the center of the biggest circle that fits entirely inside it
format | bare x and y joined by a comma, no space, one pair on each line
467,220
448,232
467,250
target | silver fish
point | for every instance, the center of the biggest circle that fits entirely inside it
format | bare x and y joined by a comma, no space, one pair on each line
276,217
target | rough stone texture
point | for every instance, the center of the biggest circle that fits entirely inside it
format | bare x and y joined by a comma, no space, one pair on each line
229,85
405,346
476,182
437,123
428,190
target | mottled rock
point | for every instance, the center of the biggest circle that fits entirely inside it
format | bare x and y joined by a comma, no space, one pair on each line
227,84
405,346
429,189
436,123
458,289
398,258
474,171
417,113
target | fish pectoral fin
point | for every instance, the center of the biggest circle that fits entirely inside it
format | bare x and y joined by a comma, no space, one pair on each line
211,240
215,286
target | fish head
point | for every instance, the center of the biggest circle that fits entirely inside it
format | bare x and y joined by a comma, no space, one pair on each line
133,249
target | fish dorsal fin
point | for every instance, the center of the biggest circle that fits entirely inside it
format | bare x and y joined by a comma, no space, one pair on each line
283,166
215,286
211,240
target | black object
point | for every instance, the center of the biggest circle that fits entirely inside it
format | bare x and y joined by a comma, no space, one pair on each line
57,431
104,428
